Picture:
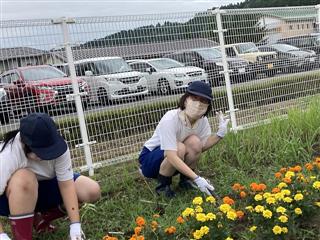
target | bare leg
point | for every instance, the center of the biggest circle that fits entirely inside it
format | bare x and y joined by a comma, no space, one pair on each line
193,151
88,190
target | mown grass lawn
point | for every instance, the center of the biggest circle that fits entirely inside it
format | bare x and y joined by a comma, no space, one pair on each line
252,155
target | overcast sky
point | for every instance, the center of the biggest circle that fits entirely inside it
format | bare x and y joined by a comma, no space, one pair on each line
26,9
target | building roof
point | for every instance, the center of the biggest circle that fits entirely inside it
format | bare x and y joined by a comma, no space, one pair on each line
20,52
294,15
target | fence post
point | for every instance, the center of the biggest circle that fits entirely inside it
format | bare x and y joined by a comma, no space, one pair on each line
77,96
226,70
318,17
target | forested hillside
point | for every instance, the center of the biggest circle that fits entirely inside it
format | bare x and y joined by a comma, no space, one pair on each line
272,3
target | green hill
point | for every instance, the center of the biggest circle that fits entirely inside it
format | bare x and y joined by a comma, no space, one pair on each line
272,3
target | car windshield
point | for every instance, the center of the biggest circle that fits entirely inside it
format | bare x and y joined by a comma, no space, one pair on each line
41,73
285,47
111,66
165,63
210,53
247,48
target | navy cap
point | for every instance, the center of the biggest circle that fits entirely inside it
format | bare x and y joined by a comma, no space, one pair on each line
201,89
39,132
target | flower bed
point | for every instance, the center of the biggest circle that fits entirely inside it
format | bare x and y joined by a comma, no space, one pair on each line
286,207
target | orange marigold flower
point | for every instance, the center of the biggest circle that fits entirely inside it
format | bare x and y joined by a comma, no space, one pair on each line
228,200
309,166
137,230
180,220
254,186
135,237
242,194
236,186
140,221
275,190
283,170
107,237
262,187
278,174
240,214
154,225
297,168
317,160
242,188
170,230
287,180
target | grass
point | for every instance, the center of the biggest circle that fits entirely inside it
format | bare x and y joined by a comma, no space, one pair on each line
249,155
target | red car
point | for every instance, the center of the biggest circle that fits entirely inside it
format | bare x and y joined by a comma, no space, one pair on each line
40,88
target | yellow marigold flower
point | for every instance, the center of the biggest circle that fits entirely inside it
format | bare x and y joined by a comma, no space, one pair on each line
267,195
258,197
204,230
267,213
225,208
282,185
197,234
249,208
298,197
316,185
317,204
198,209
279,196
298,211
271,200
229,238
289,174
277,230
253,228
284,230
288,199
281,210
201,217
197,201
259,208
283,219
286,192
211,216
188,212
211,199
231,215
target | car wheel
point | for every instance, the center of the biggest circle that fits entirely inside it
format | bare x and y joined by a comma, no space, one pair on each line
103,97
164,87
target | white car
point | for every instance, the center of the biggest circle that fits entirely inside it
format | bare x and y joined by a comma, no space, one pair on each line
165,75
111,78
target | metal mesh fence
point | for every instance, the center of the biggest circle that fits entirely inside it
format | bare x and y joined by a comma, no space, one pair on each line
129,70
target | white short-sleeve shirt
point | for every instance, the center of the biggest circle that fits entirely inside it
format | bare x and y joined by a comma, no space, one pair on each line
172,129
13,158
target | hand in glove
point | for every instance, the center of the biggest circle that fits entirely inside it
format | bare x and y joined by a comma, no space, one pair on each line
4,236
203,185
76,232
223,124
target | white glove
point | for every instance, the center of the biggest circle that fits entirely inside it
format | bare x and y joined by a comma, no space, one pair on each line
4,236
76,232
204,185
223,124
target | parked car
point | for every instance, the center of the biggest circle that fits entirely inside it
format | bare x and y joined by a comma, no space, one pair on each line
290,58
210,59
165,75
261,62
111,78
306,42
41,87
4,107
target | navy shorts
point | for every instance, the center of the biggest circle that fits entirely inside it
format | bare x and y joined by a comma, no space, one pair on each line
150,161
48,196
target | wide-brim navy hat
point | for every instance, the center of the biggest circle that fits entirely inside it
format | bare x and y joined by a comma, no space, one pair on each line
39,132
201,89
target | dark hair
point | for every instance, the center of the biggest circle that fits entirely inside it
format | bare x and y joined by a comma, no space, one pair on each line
9,137
183,98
